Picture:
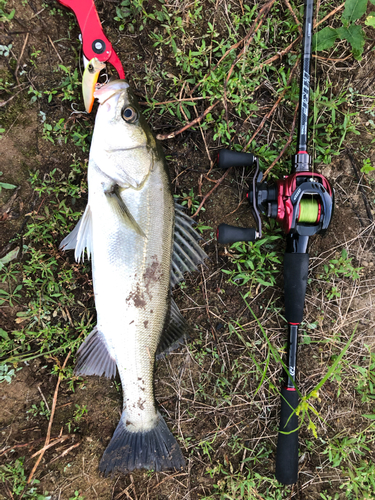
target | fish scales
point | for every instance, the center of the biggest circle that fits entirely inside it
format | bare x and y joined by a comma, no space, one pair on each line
129,229
131,283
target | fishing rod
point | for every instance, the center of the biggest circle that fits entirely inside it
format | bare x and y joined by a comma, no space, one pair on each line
302,203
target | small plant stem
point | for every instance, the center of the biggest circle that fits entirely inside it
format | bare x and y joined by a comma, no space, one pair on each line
50,421
265,118
19,59
211,191
286,145
163,137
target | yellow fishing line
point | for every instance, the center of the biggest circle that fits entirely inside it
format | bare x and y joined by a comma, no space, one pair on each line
309,211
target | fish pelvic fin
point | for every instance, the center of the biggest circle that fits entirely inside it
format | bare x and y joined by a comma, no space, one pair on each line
175,333
94,357
155,449
80,239
120,207
187,254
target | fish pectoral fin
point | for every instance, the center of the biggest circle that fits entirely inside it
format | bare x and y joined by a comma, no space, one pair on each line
94,357
174,333
120,207
80,238
187,254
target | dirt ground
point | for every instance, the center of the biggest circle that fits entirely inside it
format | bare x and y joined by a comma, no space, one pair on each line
208,421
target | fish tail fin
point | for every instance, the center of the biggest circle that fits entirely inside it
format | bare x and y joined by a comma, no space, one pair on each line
155,449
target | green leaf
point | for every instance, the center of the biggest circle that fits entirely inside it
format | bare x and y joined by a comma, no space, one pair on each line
354,9
324,39
370,21
5,185
355,36
371,417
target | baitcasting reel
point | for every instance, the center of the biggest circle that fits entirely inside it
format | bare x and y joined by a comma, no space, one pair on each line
302,202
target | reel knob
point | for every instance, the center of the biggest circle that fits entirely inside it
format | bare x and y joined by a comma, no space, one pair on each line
232,234
228,158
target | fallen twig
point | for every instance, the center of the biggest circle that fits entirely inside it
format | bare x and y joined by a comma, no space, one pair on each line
4,103
50,421
265,118
162,137
294,16
332,13
286,145
19,59
53,443
66,452
211,191
235,46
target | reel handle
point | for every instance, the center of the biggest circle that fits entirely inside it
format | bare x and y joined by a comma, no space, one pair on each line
287,444
232,234
227,158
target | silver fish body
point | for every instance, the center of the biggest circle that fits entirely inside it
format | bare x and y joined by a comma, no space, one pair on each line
130,230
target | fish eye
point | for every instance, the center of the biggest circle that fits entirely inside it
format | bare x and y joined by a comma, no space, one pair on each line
129,114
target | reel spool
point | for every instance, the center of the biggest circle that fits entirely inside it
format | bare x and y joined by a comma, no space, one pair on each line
309,211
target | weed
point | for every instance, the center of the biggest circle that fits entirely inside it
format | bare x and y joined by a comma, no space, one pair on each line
190,201
349,31
13,475
5,185
6,372
367,166
78,415
255,263
41,410
366,379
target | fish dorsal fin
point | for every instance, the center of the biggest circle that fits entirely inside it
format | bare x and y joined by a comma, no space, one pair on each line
175,332
94,357
80,238
187,254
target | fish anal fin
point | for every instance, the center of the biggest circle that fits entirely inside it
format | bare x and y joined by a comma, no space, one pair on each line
94,357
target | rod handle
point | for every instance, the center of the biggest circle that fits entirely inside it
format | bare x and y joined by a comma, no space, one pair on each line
232,234
296,268
287,444
227,158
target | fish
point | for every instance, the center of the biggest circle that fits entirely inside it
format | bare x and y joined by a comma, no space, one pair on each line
89,79
141,243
